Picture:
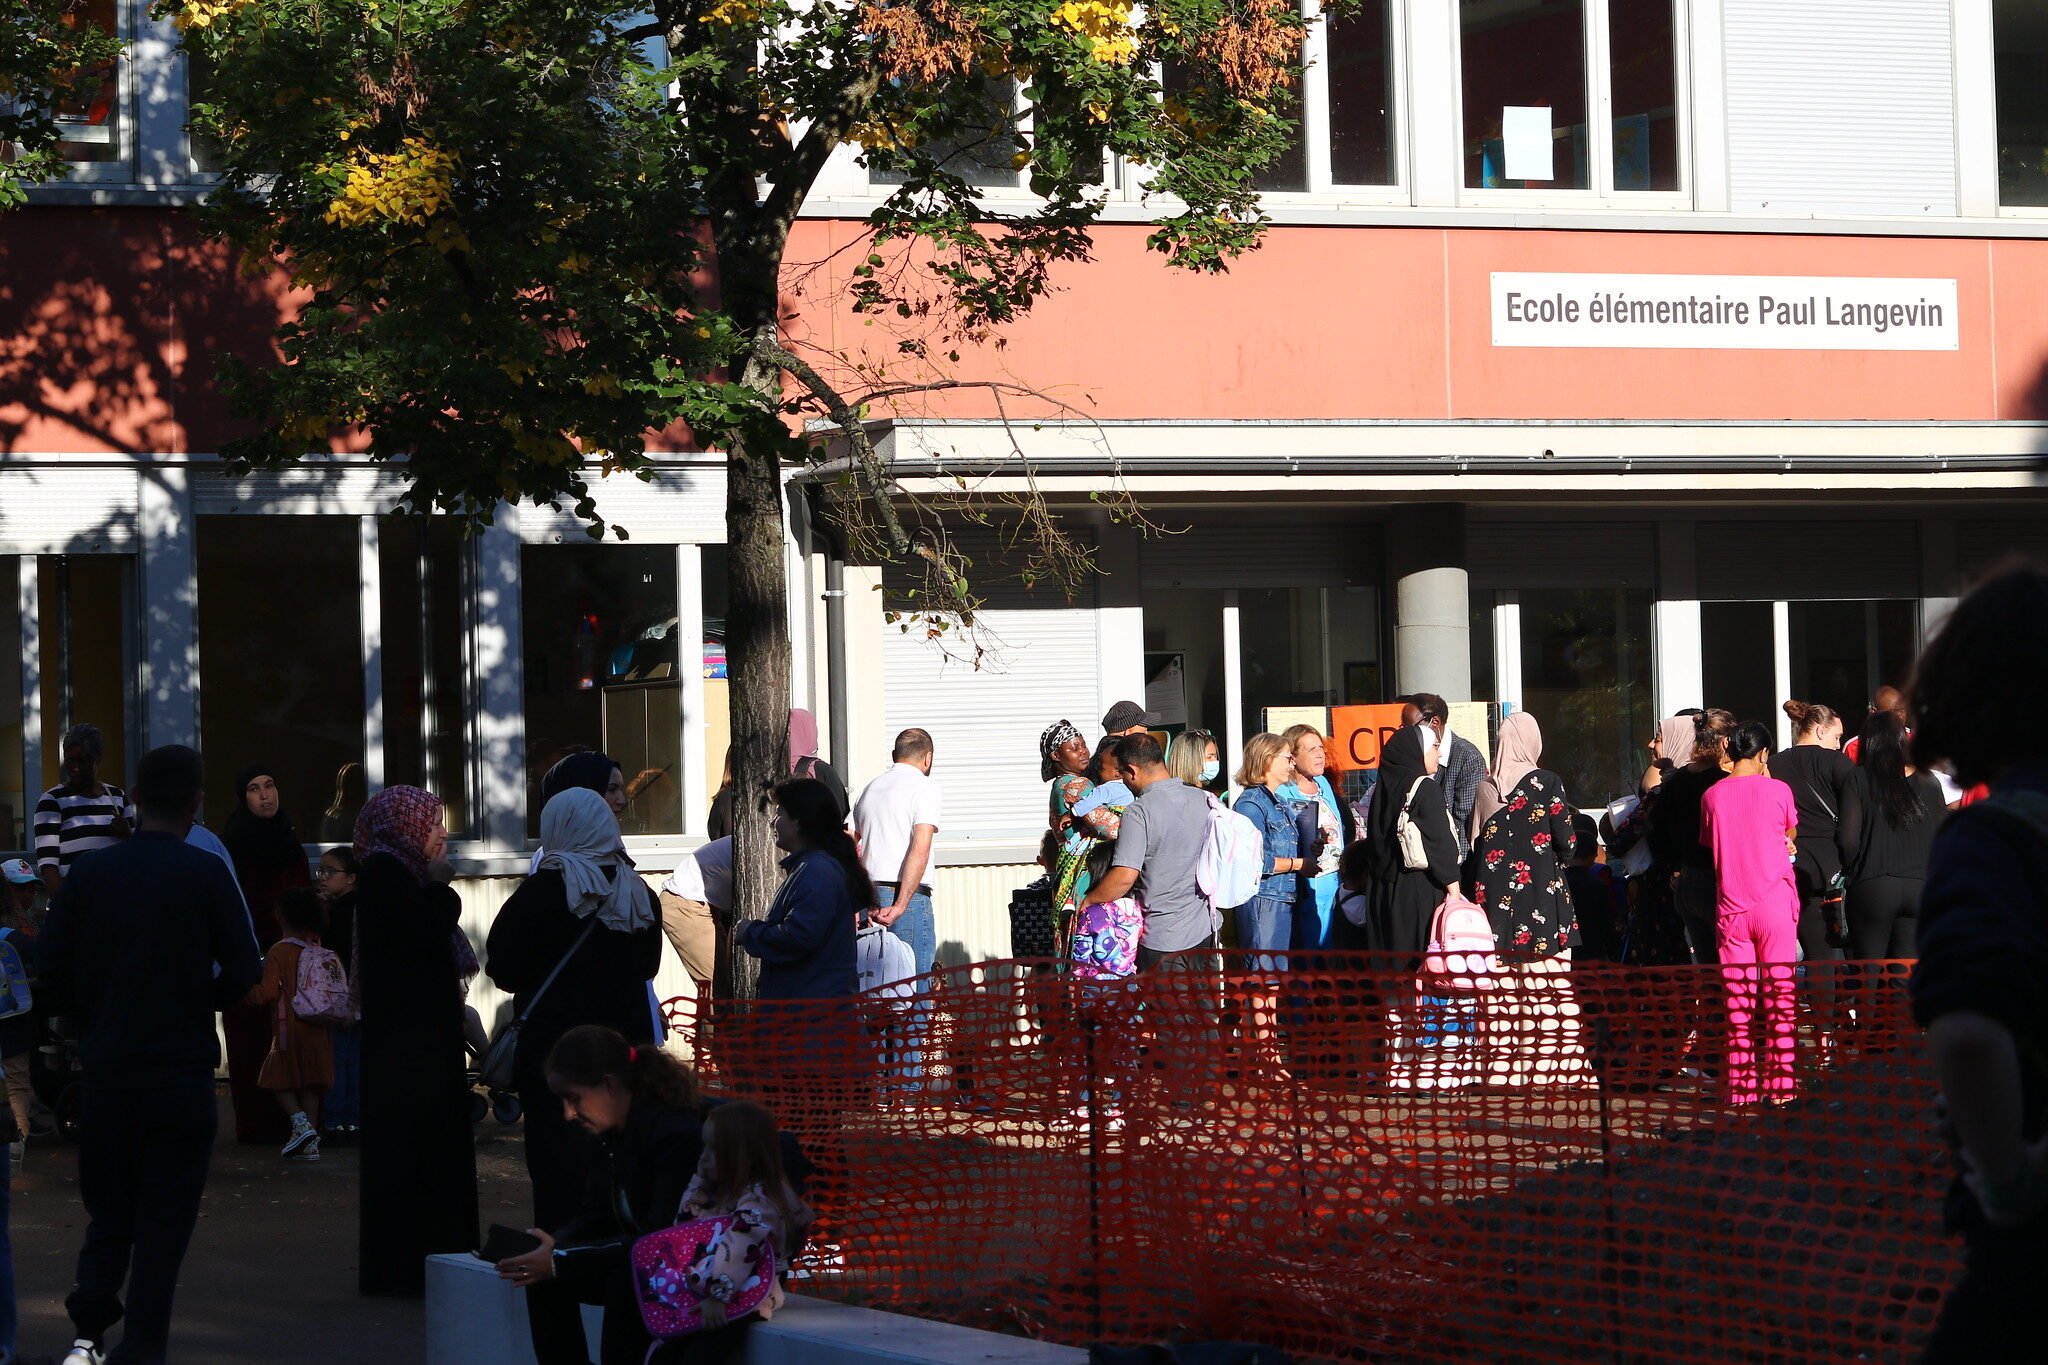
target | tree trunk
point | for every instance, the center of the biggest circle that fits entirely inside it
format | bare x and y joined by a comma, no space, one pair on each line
757,661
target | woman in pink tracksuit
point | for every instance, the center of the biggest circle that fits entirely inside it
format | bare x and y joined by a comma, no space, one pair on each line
1749,821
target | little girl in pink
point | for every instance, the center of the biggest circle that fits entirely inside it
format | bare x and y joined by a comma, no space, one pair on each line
1749,821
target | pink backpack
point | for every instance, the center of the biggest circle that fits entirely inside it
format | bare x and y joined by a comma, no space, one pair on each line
661,1262
322,996
1460,960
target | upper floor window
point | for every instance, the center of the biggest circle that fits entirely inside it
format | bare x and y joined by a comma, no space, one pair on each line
1578,95
2019,41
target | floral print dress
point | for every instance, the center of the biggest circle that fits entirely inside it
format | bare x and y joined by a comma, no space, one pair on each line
1518,863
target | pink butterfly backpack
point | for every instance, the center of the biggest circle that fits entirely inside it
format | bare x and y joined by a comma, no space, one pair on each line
1460,960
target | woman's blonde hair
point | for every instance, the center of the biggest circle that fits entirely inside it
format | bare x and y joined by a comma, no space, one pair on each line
1295,734
1259,752
1186,755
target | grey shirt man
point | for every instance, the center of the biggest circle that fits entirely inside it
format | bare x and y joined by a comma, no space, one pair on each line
1161,840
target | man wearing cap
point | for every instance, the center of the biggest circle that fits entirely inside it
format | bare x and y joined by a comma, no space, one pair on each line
1128,718
81,814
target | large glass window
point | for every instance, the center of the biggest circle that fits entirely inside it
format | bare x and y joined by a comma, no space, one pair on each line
93,122
85,609
716,735
1586,679
1358,51
1528,101
601,654
2019,36
281,662
16,802
424,578
1308,647
984,156
1285,174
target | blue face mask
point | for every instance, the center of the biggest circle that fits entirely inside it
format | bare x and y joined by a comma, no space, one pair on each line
1210,769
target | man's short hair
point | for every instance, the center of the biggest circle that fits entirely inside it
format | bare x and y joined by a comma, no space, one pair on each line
1139,751
912,743
1432,706
167,781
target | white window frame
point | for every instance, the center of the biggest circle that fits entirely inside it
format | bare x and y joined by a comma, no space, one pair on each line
1599,120
133,27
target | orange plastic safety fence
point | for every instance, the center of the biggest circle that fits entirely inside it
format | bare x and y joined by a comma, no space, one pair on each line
1586,1165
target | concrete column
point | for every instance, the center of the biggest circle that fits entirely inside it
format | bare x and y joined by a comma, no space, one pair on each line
501,668
1119,621
170,661
1940,572
1432,601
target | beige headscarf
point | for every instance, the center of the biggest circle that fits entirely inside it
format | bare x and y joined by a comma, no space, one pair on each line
1515,755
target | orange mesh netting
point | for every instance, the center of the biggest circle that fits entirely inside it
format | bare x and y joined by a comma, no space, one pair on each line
1604,1164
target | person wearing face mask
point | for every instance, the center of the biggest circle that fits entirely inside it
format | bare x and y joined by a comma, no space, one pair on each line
268,861
1193,758
418,1184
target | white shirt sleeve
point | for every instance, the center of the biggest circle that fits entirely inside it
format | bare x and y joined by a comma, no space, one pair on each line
926,811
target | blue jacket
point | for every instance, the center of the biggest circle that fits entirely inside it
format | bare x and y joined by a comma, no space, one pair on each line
806,941
1275,818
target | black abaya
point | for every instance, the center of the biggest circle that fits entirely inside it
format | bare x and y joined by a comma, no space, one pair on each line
1401,902
418,1191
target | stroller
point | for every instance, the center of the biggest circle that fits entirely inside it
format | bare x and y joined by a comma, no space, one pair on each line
54,1072
502,1105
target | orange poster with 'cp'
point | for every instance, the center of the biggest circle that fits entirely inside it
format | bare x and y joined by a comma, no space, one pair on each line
1357,732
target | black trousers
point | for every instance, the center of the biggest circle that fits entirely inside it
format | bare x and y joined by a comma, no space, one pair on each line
559,1157
1883,914
142,1161
555,1310
1992,1316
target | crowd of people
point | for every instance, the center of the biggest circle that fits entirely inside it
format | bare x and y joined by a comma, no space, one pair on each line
342,995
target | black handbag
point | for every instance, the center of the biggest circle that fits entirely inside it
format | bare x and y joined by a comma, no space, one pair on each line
499,1068
1031,919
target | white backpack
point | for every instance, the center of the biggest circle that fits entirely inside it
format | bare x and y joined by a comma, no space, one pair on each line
1408,834
882,962
1233,858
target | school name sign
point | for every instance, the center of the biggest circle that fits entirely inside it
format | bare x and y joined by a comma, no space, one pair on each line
1724,312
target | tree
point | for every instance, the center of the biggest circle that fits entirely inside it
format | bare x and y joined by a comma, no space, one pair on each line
49,57
533,232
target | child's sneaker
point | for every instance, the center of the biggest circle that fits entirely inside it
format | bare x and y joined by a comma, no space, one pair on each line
303,1133
84,1352
308,1152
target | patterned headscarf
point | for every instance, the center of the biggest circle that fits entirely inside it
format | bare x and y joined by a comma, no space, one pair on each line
1056,736
397,821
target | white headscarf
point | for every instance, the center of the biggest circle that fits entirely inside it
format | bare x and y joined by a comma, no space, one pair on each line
579,835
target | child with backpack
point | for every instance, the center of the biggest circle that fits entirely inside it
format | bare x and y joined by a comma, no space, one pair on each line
304,985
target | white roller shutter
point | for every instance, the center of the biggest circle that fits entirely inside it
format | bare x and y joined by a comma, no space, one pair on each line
51,509
682,504
309,489
985,722
1841,108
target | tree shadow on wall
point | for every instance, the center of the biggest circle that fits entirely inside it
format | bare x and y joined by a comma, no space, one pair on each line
111,325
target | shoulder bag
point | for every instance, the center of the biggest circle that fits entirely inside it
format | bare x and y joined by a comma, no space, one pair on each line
499,1070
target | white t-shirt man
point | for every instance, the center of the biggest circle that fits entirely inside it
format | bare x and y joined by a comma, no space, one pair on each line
704,875
887,816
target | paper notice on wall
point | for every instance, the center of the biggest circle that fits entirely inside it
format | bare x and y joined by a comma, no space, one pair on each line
1525,142
1280,719
1470,719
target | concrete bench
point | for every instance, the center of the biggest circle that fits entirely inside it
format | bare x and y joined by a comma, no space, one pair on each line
475,1318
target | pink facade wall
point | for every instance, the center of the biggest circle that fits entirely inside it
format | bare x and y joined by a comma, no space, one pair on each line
110,322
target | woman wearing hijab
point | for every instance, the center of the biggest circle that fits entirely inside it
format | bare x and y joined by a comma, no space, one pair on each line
590,770
418,1184
804,760
587,912
1521,840
268,860
1656,935
1401,902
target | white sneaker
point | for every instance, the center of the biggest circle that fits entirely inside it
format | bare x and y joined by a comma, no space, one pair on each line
84,1352
309,1151
303,1135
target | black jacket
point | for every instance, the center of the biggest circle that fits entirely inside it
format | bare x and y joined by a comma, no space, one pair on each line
130,950
604,983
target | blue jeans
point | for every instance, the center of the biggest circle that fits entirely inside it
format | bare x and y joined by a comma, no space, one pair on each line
344,1102
903,1040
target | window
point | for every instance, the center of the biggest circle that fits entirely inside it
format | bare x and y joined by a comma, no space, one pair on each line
1308,647
281,663
95,121
600,625
1541,114
2019,40
984,157
1358,54
85,609
1586,679
424,579
17,803
716,728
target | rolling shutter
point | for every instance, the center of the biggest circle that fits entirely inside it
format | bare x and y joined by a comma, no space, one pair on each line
1276,555
1541,553
1981,544
1841,108
1749,561
50,509
1040,666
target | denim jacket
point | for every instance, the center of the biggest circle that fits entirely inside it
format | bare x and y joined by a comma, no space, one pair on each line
1276,821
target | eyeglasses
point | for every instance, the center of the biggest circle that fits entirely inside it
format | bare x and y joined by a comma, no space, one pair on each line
331,872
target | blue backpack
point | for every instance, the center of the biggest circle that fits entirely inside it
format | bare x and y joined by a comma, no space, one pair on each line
14,993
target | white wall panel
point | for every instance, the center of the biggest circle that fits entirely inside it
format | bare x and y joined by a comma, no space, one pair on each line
972,908
1841,108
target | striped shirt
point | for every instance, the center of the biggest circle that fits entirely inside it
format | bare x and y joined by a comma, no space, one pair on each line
69,824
